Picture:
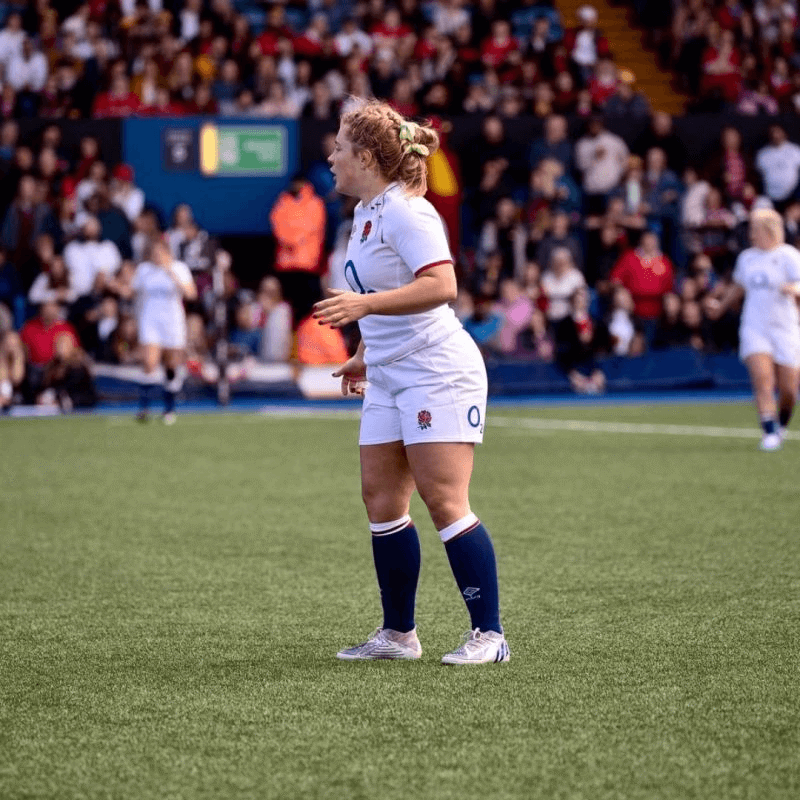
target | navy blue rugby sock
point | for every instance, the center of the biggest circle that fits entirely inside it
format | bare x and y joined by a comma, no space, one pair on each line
471,554
395,548
169,393
145,390
768,424
784,416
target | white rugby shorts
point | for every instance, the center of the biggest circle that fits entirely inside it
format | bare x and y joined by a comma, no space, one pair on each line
782,345
167,332
437,394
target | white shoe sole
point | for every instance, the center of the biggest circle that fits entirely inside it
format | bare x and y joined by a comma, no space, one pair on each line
502,656
342,656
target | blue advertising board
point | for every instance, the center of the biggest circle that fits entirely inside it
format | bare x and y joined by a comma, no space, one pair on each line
229,170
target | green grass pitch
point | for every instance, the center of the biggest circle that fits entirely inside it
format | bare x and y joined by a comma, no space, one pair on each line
171,600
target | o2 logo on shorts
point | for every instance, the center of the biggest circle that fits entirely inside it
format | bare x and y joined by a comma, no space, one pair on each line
424,420
474,418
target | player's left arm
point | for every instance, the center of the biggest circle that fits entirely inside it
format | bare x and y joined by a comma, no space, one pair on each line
430,288
184,281
791,289
792,285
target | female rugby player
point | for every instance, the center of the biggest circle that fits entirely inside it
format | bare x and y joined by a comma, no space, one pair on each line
161,284
768,276
425,396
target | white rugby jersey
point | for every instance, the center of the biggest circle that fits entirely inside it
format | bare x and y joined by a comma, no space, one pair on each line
157,294
394,238
762,273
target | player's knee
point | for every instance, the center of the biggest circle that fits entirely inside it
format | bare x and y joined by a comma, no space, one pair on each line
443,507
373,497
381,504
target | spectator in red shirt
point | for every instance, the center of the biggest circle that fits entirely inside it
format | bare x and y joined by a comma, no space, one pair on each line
314,40
203,101
780,82
39,334
425,48
722,72
497,50
276,30
164,105
119,101
728,168
729,15
391,33
648,275
603,83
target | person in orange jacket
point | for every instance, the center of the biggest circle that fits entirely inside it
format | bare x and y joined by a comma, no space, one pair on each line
298,224
319,344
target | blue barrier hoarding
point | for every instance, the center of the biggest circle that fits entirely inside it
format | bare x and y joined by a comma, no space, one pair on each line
230,171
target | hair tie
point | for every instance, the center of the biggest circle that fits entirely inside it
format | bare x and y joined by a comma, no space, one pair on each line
419,149
408,132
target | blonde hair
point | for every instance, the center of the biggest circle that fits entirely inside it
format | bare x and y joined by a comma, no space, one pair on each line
771,221
398,146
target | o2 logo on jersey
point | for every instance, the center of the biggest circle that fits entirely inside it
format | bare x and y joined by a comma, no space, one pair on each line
351,276
759,281
474,418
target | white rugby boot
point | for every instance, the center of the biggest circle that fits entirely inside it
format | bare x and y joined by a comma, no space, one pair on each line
771,441
479,647
384,645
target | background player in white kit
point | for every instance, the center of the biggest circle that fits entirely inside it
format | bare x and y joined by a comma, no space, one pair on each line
425,400
161,285
768,275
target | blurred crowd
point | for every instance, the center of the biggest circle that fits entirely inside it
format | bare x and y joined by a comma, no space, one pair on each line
587,246
572,246
738,55
74,230
300,58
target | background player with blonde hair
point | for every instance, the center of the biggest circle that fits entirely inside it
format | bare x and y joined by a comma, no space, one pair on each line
161,285
425,401
767,275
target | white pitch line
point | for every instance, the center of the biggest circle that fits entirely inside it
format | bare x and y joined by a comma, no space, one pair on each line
254,415
588,426
529,424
